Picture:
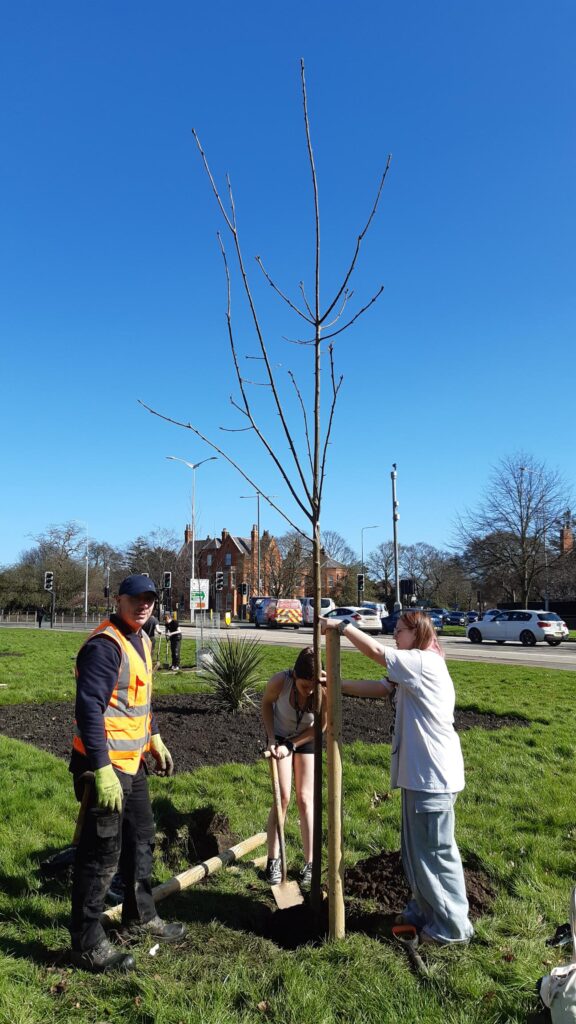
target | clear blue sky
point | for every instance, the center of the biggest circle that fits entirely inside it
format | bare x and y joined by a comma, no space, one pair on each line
112,279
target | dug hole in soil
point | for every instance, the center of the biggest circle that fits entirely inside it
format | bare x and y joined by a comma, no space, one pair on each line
198,734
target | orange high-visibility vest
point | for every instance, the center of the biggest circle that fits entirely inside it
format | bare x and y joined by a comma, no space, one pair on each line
127,719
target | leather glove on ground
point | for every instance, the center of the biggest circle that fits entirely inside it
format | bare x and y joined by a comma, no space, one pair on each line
161,755
108,789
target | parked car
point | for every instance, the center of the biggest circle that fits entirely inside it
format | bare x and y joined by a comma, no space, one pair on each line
437,620
528,627
279,611
455,618
442,612
472,616
326,605
389,621
490,613
362,618
378,607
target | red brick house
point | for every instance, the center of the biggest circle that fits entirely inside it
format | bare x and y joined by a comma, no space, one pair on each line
237,559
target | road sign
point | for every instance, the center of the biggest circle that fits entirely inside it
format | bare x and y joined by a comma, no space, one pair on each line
199,595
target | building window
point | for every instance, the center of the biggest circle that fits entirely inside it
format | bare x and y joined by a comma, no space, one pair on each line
208,560
228,601
330,583
228,558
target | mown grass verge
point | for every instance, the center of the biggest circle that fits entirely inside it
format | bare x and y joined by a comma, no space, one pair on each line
515,820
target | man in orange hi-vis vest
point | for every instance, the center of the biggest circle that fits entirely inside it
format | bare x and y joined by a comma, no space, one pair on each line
114,729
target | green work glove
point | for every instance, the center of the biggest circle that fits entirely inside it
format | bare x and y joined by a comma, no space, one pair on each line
161,755
108,789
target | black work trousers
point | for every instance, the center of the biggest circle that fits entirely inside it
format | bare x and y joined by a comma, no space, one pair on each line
175,643
112,841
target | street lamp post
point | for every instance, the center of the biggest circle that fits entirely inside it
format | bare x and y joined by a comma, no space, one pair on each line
395,518
86,582
193,466
257,496
85,525
376,527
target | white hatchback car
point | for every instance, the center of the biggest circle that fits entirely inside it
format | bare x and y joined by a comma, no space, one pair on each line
529,627
363,618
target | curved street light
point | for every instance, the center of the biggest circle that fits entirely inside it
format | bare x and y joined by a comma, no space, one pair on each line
193,466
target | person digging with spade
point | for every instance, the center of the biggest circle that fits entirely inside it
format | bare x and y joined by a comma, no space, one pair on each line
114,729
288,716
426,765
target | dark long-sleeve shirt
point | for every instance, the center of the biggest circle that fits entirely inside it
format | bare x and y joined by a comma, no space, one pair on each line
98,664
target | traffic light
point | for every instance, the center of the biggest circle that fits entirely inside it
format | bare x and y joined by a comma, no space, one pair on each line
407,587
219,580
167,584
49,581
360,581
244,589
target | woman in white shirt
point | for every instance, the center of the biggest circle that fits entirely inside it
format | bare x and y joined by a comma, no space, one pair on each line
288,716
426,764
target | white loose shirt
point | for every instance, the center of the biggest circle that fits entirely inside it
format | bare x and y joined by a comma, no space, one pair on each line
426,753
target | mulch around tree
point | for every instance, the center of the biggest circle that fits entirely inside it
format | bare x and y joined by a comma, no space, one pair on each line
198,734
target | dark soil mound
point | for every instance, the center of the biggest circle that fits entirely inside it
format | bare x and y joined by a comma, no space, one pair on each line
381,878
197,734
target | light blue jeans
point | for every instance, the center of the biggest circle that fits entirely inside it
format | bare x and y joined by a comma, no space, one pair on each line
433,867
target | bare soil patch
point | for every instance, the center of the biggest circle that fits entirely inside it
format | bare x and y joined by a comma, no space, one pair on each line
197,734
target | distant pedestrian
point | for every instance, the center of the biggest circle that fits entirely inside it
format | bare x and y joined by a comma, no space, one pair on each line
174,634
152,628
40,613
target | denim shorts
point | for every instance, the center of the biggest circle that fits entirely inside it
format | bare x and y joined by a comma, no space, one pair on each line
303,748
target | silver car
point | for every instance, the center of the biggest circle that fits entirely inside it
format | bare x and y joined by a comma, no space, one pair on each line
363,618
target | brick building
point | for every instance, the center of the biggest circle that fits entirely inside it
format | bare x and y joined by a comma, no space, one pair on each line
237,559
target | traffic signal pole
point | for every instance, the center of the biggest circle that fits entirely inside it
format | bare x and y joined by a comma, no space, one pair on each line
395,518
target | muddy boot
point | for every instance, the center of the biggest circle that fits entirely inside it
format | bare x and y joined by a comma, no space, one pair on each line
156,928
103,957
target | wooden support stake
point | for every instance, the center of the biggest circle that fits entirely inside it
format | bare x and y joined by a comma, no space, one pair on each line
192,875
336,920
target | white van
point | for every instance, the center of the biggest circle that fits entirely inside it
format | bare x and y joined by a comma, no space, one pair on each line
326,605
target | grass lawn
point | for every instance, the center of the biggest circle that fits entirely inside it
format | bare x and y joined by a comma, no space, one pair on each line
515,818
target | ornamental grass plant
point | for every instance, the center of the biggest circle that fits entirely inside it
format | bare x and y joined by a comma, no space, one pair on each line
234,672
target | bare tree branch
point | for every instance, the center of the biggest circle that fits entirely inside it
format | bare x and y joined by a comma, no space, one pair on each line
335,390
246,411
231,222
211,444
302,406
347,295
281,293
306,303
374,298
359,241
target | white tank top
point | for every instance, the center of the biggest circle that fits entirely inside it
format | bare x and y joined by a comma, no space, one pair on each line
285,716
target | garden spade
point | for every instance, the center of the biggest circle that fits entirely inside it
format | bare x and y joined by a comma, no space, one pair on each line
287,894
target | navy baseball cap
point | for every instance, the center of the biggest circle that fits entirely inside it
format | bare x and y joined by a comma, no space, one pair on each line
138,584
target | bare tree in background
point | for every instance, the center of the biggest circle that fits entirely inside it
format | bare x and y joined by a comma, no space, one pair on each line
302,464
507,535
